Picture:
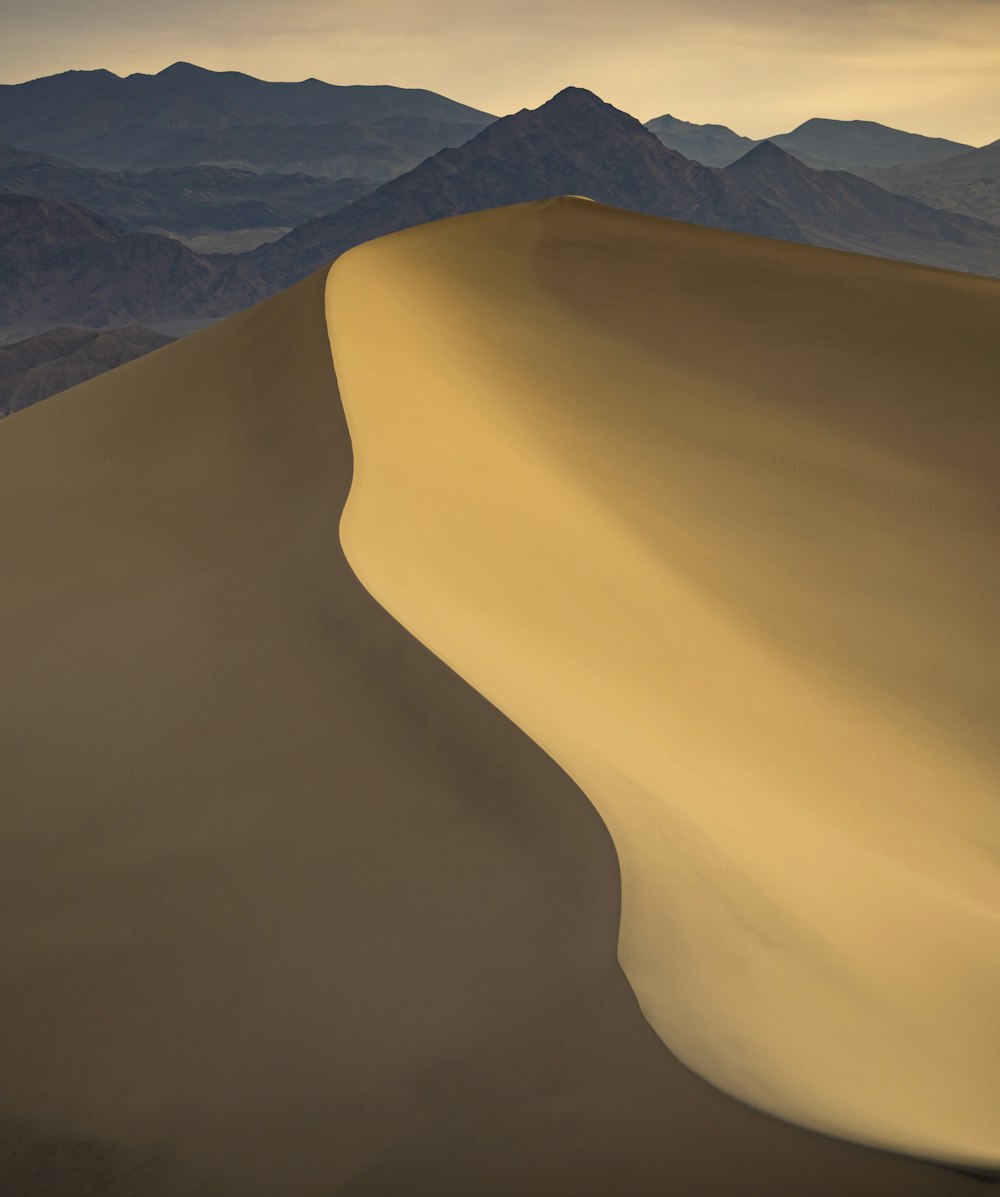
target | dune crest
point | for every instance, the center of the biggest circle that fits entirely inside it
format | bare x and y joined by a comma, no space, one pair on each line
288,907
714,520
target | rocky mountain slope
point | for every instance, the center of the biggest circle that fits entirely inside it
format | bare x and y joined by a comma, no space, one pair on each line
43,365
841,211
578,145
573,145
968,183
69,265
185,200
64,264
334,149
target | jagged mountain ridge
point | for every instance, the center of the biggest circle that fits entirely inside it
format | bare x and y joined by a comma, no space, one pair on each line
575,144
839,210
82,270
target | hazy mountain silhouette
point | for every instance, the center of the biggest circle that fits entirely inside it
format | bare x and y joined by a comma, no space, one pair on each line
712,145
851,144
64,264
96,118
819,142
334,149
43,365
968,183
575,144
841,211
186,200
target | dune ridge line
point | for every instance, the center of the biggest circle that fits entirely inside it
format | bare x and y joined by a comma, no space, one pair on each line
288,906
714,520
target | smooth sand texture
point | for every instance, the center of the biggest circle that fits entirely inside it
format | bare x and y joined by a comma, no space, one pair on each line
286,908
714,519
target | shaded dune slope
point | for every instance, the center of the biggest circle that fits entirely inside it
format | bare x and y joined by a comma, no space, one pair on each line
715,520
287,907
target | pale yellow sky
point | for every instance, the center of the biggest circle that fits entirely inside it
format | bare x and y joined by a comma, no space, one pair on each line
932,66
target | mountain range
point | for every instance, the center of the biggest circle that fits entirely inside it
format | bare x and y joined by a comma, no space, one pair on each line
64,264
819,142
838,210
88,245
848,145
712,145
333,149
97,118
575,144
968,183
937,172
187,201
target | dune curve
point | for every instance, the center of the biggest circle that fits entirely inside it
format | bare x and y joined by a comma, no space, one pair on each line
287,907
714,519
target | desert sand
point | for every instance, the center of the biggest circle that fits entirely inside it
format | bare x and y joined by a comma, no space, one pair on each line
288,907
715,521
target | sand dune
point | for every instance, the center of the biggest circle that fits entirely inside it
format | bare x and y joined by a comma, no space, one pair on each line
287,907
714,520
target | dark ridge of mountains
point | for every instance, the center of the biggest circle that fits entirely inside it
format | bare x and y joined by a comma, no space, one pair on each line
848,145
711,145
96,118
44,365
185,200
968,183
575,144
64,264
839,210
821,143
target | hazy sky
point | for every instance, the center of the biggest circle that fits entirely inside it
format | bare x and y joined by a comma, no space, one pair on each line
761,66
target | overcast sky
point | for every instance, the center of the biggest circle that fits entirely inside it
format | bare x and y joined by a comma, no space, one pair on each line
760,66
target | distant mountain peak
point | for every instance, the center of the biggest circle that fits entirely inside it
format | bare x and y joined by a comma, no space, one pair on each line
577,99
182,69
766,152
582,93
576,107
668,120
575,144
712,145
817,122
828,143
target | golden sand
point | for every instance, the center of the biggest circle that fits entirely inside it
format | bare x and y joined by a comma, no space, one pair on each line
287,908
714,520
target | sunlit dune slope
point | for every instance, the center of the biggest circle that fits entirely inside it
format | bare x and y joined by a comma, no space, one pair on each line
286,908
714,520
